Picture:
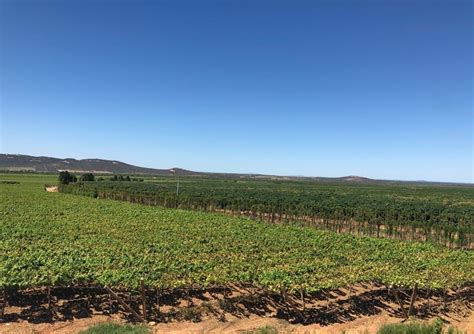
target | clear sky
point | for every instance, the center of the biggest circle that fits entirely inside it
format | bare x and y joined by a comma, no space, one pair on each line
382,89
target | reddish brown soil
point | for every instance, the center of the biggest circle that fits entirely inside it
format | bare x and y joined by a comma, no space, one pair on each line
236,310
246,325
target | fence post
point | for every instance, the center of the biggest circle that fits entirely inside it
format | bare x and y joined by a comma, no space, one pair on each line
125,305
143,293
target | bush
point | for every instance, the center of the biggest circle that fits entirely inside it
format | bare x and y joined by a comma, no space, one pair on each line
87,177
109,328
65,177
263,330
436,327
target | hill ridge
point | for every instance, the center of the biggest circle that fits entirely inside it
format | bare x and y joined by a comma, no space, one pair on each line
45,164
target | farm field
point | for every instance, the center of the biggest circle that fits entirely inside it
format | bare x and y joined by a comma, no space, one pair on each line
236,167
61,250
443,214
180,248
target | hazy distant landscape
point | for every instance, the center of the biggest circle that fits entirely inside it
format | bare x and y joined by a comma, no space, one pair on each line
20,162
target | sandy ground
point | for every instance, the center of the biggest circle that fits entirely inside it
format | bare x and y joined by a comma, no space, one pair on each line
363,310
244,325
248,325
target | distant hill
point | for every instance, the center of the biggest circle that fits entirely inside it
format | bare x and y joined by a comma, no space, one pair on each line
20,162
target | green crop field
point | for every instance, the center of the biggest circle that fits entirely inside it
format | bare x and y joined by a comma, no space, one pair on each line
438,213
63,239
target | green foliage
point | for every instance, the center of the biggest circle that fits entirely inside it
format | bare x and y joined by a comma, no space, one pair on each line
109,328
122,178
87,177
65,177
442,214
436,327
55,238
9,182
263,330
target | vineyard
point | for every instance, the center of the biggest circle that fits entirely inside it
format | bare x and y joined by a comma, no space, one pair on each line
441,214
61,240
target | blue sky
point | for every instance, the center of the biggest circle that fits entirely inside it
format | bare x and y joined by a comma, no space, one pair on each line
382,89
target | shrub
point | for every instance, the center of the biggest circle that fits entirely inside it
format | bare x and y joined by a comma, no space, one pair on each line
87,177
109,328
436,327
65,177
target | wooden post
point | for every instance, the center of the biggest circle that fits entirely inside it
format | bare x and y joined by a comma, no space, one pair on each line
48,291
4,303
289,302
395,292
188,298
429,300
327,301
88,293
125,305
302,299
412,299
283,294
110,304
158,294
142,288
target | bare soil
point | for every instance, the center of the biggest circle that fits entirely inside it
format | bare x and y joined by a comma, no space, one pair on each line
233,309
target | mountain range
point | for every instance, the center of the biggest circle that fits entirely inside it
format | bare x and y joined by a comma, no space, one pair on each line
42,164
19,162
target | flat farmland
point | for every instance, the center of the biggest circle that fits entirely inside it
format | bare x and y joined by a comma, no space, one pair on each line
56,246
438,213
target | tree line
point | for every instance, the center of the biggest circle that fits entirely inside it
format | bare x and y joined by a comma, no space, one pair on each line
65,178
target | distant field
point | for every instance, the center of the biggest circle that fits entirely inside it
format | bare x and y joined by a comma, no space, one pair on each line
439,213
